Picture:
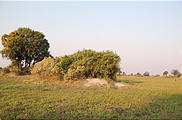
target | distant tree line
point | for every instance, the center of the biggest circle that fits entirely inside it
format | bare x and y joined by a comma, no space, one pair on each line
174,72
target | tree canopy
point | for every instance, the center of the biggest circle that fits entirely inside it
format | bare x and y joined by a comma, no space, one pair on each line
165,73
25,46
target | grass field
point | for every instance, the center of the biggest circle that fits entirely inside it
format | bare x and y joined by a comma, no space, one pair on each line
28,97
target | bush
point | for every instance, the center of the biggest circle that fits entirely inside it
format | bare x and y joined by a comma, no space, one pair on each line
176,73
81,65
138,74
6,70
88,63
146,74
1,68
78,73
14,67
46,67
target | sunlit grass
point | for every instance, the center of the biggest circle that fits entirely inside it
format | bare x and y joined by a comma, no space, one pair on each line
27,97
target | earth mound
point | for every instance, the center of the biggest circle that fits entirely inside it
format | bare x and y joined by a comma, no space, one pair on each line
101,82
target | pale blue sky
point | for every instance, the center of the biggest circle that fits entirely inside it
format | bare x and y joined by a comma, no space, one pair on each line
146,35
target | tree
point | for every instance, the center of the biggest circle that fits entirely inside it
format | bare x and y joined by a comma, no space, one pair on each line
176,73
138,74
124,74
25,47
165,73
146,74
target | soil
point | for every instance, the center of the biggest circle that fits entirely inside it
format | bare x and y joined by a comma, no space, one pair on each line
101,82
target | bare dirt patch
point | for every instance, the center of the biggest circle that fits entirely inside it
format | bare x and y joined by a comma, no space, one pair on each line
96,82
102,82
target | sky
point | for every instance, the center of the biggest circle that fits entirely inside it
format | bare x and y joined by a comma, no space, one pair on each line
146,35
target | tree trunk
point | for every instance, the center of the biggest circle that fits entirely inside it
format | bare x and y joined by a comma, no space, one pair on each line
19,66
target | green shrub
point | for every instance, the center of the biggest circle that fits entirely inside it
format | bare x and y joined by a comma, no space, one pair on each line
88,63
64,63
44,67
1,68
81,65
74,74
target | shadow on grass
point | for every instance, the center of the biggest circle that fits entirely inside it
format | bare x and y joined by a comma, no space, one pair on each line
129,81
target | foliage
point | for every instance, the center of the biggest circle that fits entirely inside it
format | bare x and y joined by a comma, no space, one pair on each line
78,73
13,67
88,63
25,46
46,67
1,68
176,73
119,72
138,74
146,74
165,73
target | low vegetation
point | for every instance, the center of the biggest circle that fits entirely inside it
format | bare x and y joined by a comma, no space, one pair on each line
81,65
146,74
176,73
29,97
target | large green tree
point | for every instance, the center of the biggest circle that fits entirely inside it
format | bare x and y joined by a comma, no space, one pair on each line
25,46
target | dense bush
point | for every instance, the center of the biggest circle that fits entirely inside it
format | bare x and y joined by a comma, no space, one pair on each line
78,73
46,67
81,65
146,74
88,63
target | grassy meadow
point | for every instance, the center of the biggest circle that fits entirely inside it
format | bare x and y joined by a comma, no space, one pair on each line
30,97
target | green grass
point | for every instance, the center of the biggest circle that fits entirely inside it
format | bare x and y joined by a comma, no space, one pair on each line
27,97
